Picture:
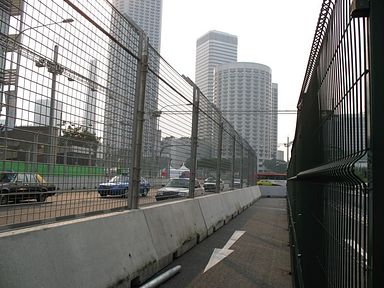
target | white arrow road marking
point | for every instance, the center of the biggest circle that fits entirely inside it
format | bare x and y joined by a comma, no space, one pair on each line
220,254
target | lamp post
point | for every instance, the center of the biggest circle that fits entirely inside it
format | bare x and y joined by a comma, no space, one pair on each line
13,74
157,114
16,41
55,69
288,144
69,20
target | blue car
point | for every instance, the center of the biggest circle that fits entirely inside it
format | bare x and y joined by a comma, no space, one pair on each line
118,186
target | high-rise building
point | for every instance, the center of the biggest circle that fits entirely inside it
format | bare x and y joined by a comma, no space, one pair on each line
212,49
246,87
42,112
275,108
90,103
118,124
146,14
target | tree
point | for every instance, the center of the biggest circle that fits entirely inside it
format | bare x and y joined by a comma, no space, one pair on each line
275,165
77,135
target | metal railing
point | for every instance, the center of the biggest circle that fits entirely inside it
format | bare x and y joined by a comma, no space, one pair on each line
335,198
84,98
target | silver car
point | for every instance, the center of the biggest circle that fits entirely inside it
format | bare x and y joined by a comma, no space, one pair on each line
176,188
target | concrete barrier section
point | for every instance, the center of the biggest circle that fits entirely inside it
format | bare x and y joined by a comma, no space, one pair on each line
214,211
175,227
232,202
99,251
117,249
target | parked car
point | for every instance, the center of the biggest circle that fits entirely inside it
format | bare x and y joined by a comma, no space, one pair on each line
18,186
236,183
178,187
210,184
118,186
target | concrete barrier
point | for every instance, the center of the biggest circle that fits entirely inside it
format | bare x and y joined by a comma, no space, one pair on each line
175,227
213,210
101,251
117,249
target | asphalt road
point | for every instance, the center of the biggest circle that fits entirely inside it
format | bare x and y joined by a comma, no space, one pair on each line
66,204
82,203
260,256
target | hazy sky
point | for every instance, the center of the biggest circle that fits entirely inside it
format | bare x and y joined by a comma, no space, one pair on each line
277,33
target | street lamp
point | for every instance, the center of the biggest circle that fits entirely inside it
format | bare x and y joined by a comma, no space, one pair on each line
156,114
55,69
69,20
288,144
13,74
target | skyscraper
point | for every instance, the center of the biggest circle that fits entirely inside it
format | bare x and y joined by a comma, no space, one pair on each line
212,49
146,14
118,124
275,108
246,87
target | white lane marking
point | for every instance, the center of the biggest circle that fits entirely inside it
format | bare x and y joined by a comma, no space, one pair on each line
235,236
220,254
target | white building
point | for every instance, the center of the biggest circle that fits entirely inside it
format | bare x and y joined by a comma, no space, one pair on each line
212,49
245,90
42,112
280,155
146,14
274,128
118,124
90,102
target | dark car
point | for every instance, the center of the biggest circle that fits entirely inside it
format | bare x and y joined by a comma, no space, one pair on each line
118,186
176,188
18,186
236,183
210,184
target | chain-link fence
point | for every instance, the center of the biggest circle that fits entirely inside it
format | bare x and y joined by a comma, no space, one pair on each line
94,120
334,189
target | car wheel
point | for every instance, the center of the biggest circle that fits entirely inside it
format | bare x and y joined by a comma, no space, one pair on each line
4,199
125,195
146,190
41,197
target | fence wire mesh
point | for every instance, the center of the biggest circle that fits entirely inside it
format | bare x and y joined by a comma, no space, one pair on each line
70,79
328,191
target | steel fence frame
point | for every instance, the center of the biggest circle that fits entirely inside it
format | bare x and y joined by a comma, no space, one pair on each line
334,199
84,97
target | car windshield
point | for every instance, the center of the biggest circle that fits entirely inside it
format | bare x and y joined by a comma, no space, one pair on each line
7,177
181,183
210,179
119,178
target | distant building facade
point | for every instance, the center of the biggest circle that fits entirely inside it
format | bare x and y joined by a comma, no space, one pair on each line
246,87
146,14
280,155
42,112
118,124
212,49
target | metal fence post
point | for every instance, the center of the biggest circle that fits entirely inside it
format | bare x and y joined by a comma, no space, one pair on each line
194,140
52,110
241,165
376,144
138,123
249,164
219,152
233,162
